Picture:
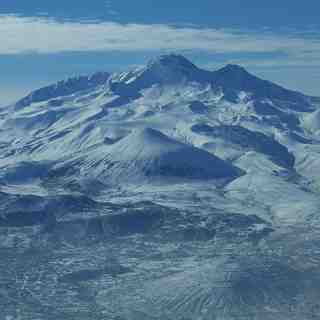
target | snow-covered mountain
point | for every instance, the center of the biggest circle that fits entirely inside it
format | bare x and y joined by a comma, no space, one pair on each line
63,88
148,155
164,192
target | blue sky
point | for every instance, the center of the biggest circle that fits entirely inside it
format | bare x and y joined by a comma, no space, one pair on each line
44,41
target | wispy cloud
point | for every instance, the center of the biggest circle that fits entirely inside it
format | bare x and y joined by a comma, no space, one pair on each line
110,9
45,35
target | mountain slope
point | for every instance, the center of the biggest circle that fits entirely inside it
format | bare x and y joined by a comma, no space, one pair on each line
63,88
86,115
247,140
149,155
234,79
122,198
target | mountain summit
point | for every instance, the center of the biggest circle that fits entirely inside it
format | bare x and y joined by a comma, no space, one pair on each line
231,80
165,70
172,60
172,63
176,70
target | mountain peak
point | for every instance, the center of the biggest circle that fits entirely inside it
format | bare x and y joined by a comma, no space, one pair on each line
164,70
233,69
172,67
172,60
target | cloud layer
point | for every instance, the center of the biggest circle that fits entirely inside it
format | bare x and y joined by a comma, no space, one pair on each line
44,35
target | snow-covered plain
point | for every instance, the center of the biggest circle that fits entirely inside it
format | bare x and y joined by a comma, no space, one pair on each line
167,192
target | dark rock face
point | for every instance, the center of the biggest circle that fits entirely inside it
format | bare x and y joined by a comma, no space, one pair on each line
198,107
55,103
30,210
26,219
135,221
266,109
300,139
63,88
249,140
130,220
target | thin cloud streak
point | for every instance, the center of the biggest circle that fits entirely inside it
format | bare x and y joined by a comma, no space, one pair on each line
43,35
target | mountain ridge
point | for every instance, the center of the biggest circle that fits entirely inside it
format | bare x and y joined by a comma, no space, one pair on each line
64,88
173,68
